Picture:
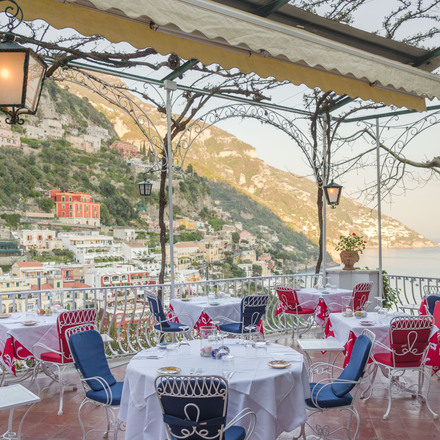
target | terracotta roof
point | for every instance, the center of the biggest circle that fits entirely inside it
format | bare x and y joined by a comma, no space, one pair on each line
76,284
30,264
43,286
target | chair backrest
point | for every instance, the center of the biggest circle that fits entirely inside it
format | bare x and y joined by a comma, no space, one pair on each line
156,308
253,307
289,298
360,295
193,407
431,301
88,353
73,318
355,368
409,339
436,314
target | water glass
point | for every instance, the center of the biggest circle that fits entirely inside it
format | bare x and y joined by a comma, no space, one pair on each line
172,351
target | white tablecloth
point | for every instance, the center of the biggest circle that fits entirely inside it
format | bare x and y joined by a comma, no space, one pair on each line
276,396
45,331
228,307
309,297
342,326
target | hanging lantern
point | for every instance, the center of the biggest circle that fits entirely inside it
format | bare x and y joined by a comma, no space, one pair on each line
145,188
333,194
22,73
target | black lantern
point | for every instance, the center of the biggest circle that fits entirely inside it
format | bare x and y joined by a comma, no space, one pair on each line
22,74
145,188
333,194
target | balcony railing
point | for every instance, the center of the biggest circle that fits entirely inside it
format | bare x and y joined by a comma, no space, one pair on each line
123,312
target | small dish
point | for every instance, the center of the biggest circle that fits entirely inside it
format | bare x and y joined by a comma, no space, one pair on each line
169,370
279,364
214,303
185,299
4,315
325,292
367,323
29,323
163,345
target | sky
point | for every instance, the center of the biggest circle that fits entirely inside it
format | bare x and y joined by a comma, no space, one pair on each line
417,207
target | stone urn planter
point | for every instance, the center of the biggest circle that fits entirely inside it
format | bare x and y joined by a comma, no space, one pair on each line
349,259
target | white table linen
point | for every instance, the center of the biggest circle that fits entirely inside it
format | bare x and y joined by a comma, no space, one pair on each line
342,326
45,331
227,307
275,395
309,297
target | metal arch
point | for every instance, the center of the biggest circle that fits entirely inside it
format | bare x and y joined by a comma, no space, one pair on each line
258,112
118,97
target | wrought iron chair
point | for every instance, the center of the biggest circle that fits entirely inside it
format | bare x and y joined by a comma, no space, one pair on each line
252,309
54,362
409,343
432,295
339,393
162,325
359,297
99,384
195,408
303,316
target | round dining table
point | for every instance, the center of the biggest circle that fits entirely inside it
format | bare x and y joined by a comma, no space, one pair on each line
276,395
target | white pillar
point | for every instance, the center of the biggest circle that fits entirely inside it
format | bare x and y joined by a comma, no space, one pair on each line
379,209
169,87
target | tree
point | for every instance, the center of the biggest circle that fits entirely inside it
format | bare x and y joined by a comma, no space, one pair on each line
257,270
235,237
46,204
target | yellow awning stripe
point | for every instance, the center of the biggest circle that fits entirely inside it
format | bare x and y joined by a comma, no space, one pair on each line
118,28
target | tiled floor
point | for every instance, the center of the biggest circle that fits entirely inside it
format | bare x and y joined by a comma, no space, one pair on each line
409,419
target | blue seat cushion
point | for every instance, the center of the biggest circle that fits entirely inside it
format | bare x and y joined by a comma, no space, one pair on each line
171,327
233,327
88,351
233,433
355,368
327,398
101,396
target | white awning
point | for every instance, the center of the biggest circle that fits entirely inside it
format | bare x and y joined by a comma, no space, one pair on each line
214,33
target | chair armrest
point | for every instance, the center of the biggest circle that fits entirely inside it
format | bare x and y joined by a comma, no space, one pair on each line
188,316
332,381
315,366
45,347
245,412
225,318
103,383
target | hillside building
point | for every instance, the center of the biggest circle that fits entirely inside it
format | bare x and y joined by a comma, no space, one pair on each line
134,250
9,139
125,149
125,234
121,275
87,248
76,207
40,239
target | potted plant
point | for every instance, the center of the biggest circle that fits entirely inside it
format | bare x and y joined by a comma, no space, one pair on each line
350,247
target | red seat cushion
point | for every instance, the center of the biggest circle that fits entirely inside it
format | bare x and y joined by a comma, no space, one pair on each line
387,359
303,311
49,356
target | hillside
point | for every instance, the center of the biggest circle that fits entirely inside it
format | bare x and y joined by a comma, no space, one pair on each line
221,157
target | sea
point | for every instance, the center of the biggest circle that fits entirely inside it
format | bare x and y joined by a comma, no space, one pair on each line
411,262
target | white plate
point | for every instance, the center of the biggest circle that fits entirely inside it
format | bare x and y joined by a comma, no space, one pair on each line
367,323
29,323
279,364
169,370
4,315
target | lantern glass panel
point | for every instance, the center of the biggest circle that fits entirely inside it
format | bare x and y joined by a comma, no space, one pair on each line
34,82
333,194
11,78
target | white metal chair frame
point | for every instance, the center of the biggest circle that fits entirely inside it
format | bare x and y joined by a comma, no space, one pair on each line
324,431
249,301
186,333
198,387
111,422
56,370
394,373
302,322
